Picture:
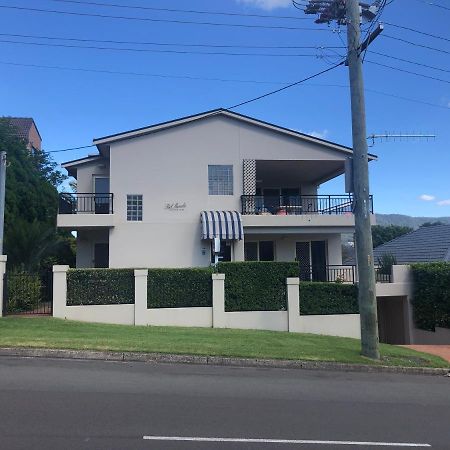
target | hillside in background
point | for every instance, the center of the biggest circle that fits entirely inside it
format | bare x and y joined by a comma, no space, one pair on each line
408,221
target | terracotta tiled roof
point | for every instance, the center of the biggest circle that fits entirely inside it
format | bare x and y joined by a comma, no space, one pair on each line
22,125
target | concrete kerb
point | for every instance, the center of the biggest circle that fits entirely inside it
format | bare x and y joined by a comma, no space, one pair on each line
215,361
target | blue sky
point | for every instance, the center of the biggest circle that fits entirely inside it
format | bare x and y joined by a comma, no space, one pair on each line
72,107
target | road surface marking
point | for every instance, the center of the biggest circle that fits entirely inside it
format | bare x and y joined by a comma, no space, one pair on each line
282,441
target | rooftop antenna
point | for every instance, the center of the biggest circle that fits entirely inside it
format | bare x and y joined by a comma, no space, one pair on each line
386,137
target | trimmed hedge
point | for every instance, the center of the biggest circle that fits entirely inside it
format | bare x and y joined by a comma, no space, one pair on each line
328,298
179,288
256,286
431,300
100,287
23,290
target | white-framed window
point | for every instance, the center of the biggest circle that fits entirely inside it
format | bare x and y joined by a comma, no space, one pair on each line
134,207
220,179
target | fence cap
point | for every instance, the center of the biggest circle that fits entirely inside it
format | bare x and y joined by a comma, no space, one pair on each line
218,276
3,258
62,268
140,272
293,281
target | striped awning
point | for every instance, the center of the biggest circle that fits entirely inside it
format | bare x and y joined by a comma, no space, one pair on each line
226,225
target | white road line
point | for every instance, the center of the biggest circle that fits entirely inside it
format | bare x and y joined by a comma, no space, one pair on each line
282,441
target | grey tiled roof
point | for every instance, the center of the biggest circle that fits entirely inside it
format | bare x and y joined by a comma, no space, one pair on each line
426,244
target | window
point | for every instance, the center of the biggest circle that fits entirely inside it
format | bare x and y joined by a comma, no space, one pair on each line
251,251
134,208
220,180
266,252
259,251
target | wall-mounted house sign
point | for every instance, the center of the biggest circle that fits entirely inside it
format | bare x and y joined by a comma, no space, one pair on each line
175,206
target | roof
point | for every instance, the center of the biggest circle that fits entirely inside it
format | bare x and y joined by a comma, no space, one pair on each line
427,244
71,166
106,140
23,126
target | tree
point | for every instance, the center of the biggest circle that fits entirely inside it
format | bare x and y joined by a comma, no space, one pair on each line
31,204
382,234
432,224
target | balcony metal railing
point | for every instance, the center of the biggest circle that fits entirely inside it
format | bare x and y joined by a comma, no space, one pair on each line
345,273
298,204
79,203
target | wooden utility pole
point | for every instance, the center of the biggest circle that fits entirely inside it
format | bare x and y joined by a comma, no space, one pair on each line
2,197
350,13
363,233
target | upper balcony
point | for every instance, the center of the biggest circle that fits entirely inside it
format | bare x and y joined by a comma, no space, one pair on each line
298,210
85,210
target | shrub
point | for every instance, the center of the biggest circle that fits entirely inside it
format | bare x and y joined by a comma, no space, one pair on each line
24,291
100,287
256,286
179,288
431,298
328,298
385,263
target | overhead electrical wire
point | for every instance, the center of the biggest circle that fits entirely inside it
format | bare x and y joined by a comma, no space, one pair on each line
415,44
150,50
408,71
436,5
172,44
410,62
152,19
188,11
225,80
267,94
435,36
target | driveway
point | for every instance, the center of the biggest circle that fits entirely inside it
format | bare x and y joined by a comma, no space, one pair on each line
439,350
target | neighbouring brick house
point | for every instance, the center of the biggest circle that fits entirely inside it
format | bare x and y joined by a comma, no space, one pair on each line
26,129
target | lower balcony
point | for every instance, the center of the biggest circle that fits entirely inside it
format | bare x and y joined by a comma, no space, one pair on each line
80,210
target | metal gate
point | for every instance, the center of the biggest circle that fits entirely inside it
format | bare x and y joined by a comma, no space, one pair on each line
27,293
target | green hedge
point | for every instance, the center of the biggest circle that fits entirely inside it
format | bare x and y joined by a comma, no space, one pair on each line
179,288
328,298
256,286
431,300
100,286
24,291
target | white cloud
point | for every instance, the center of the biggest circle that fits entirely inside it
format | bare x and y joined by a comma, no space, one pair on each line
319,134
267,4
444,202
427,198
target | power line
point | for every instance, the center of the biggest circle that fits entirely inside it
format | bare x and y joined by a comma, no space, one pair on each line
226,80
173,44
286,87
436,5
418,31
69,149
408,71
189,11
150,19
149,50
410,62
415,44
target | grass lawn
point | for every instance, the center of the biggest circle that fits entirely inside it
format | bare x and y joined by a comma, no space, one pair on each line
47,332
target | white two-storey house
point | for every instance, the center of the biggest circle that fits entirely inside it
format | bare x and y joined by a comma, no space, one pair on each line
157,196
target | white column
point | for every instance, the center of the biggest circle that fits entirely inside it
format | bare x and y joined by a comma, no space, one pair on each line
140,296
3,259
218,300
293,303
238,250
60,291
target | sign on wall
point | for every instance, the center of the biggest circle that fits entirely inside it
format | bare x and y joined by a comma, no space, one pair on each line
175,206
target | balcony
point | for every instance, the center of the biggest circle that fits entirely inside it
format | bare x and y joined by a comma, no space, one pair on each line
295,213
346,273
88,210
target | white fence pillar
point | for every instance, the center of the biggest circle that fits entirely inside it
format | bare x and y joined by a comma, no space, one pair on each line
140,296
293,303
60,291
3,259
218,300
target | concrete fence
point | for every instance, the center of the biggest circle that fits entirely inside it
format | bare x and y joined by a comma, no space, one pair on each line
346,325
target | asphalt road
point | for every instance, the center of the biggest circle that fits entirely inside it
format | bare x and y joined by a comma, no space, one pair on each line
61,404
